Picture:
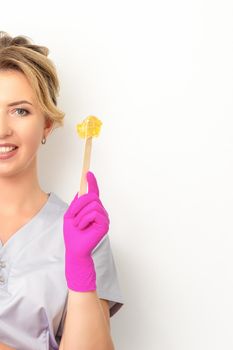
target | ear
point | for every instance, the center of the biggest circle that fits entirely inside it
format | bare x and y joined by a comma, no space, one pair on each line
48,126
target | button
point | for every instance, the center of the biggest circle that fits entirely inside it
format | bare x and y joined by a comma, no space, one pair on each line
2,279
2,264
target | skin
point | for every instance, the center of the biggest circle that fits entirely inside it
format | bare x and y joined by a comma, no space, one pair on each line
22,197
21,194
5,347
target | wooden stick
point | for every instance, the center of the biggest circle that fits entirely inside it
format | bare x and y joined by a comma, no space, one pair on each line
86,165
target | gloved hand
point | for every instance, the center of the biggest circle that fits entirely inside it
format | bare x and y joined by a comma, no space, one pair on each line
85,223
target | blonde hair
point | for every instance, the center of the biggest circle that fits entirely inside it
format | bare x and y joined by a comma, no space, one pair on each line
19,53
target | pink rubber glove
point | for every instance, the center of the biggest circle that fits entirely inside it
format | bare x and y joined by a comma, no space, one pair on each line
85,223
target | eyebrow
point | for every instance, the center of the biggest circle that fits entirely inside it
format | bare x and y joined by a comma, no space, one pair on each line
19,102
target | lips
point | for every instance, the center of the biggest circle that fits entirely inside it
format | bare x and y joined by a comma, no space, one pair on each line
8,145
8,155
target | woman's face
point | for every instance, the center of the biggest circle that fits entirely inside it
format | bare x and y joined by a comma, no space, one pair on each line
22,124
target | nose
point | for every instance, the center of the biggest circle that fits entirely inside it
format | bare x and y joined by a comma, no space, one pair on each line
5,128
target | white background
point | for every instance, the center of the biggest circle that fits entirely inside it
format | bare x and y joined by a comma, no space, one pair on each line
159,74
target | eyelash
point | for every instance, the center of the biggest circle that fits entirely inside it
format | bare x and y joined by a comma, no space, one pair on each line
22,109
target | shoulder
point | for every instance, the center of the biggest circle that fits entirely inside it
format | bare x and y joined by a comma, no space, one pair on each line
54,210
57,203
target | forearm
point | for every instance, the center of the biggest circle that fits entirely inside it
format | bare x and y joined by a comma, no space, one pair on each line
86,327
5,347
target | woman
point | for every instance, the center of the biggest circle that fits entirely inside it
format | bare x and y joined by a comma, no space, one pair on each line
58,280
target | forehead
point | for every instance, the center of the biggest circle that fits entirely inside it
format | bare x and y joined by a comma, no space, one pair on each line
14,86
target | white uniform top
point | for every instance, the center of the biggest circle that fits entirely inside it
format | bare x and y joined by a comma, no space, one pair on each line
33,288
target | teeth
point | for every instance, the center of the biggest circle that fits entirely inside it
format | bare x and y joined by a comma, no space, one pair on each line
6,149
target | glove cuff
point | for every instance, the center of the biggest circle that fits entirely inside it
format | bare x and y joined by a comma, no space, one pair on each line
80,274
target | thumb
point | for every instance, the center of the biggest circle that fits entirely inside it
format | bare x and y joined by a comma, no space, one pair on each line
92,183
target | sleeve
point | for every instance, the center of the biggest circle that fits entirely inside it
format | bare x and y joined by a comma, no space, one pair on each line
107,283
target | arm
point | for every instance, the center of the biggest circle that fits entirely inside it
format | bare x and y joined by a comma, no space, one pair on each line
87,323
5,347
85,224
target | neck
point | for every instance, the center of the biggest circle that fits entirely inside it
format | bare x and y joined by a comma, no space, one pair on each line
20,192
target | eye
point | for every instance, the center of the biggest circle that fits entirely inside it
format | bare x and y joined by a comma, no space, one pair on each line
24,110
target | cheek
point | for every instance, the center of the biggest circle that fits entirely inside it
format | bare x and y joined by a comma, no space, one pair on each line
29,147
31,138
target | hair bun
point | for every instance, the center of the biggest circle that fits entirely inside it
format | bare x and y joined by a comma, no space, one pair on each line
5,39
21,40
41,49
